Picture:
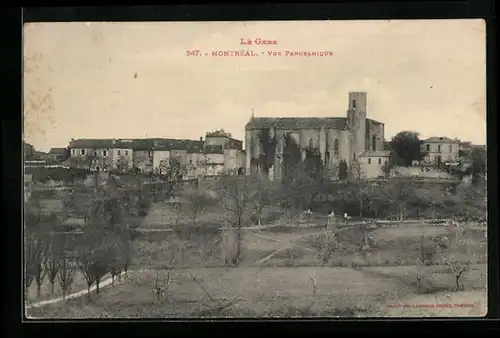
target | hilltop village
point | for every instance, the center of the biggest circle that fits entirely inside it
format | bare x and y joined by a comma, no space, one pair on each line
272,146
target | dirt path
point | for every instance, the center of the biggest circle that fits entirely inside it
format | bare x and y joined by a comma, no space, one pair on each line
289,243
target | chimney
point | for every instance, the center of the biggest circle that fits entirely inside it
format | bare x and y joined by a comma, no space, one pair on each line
113,141
201,138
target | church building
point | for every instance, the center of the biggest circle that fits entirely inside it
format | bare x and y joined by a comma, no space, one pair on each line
329,140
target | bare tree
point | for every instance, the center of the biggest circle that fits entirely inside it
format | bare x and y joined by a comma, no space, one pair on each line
126,258
235,197
54,254
66,267
119,257
457,269
36,243
85,261
420,275
30,256
360,188
116,264
197,202
162,282
160,285
95,255
428,250
261,195
105,244
35,257
400,191
328,244
40,271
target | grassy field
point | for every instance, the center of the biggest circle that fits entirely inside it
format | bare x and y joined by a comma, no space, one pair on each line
254,291
165,215
284,272
295,282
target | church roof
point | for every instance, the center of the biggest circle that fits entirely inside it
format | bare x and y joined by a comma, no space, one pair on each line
296,123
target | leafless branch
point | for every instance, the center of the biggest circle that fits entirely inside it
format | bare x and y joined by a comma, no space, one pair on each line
457,269
66,267
193,277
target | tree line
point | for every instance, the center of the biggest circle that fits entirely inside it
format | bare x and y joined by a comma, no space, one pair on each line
103,247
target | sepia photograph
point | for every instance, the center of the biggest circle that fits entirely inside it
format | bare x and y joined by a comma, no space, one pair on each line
255,169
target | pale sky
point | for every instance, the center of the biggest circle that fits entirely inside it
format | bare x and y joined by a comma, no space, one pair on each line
427,76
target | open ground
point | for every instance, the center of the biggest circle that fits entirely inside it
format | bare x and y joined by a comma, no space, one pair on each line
284,272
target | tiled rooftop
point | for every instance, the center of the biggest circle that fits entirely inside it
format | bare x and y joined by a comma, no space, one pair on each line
296,123
299,123
139,144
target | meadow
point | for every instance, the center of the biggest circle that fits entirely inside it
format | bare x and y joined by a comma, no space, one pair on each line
296,281
291,263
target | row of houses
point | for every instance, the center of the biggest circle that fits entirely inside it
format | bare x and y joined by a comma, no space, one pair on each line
218,154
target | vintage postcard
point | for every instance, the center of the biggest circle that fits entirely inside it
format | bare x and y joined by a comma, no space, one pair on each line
255,169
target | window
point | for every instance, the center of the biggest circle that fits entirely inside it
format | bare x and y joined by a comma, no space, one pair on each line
336,147
428,147
73,152
379,161
82,151
327,157
369,161
190,161
118,153
104,153
374,142
95,153
451,148
353,104
311,144
354,156
439,148
126,152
